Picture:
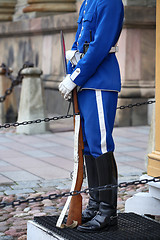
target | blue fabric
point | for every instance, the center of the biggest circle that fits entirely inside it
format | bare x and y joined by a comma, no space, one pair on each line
99,69
90,120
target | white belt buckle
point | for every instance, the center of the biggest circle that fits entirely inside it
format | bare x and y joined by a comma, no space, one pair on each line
114,49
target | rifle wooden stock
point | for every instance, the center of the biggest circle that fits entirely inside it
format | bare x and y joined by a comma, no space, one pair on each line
75,208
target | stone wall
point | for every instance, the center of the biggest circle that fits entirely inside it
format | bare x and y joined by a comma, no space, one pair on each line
26,9
137,63
139,2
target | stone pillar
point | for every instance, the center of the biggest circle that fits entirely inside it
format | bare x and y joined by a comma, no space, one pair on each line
7,8
8,108
137,60
31,102
154,157
37,8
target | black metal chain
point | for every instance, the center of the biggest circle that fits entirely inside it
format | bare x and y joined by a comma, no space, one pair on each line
74,193
136,104
16,124
14,81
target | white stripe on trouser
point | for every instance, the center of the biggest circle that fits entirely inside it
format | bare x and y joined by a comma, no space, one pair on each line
101,120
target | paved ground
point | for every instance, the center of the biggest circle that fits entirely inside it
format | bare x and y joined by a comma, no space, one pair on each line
39,160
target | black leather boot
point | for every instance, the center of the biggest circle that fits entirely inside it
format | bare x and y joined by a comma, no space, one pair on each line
92,176
107,214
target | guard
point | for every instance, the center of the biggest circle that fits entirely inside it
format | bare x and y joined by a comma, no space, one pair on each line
94,68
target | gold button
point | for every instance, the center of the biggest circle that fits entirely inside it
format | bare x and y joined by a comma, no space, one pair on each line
84,12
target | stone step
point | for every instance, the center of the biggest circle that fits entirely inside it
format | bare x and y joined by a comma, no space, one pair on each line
51,7
6,10
8,1
143,203
154,187
7,4
5,17
37,232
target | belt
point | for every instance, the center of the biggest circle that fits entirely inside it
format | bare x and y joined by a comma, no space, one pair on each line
113,50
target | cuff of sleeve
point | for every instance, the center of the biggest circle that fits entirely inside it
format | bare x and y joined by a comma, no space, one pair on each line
69,84
75,74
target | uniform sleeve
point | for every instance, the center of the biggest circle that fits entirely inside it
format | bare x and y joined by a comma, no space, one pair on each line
109,24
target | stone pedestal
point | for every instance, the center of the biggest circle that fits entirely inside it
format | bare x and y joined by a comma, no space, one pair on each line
31,102
37,232
37,8
7,8
145,203
8,108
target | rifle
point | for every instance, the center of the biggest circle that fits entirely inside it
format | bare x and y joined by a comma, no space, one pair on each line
74,202
75,209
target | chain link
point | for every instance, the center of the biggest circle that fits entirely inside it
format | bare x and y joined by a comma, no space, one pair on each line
14,81
136,104
16,124
75,193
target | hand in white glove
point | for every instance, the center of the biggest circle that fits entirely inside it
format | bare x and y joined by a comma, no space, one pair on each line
66,87
73,56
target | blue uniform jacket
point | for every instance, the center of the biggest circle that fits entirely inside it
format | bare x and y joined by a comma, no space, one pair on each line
98,69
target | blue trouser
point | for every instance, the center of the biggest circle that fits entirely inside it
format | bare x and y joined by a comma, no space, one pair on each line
97,110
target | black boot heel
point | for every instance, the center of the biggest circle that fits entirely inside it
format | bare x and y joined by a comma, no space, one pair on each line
113,220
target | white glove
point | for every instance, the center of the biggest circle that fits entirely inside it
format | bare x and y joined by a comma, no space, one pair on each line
66,87
73,56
